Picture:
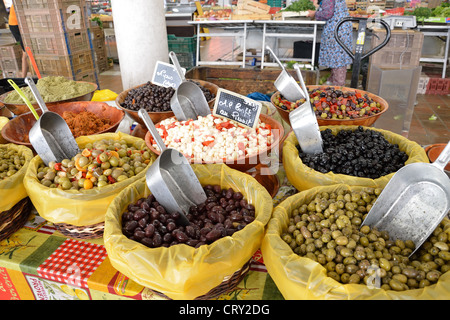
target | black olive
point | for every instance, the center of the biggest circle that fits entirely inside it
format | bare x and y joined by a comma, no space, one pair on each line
361,153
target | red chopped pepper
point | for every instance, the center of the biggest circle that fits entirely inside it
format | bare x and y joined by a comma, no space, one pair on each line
165,133
111,179
207,143
333,108
58,166
224,125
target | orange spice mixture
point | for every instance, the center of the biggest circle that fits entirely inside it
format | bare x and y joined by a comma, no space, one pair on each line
85,123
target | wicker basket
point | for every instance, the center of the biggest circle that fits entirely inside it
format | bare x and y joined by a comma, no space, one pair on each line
93,231
227,285
15,218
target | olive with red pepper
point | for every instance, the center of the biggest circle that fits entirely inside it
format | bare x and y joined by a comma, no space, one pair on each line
332,103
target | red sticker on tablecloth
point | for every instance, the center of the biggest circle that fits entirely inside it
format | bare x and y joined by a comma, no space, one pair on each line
73,262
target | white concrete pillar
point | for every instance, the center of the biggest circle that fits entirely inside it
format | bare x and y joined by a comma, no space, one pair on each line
140,30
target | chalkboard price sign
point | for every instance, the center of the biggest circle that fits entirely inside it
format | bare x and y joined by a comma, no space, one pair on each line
237,107
166,75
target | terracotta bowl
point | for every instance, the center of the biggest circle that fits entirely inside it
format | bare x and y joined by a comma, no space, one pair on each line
364,121
19,109
269,181
160,116
244,163
155,116
16,130
433,151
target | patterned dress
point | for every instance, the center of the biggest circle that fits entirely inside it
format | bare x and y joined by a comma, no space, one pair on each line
331,54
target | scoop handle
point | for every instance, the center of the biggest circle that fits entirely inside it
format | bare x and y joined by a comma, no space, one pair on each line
275,57
36,94
177,65
151,127
33,62
443,158
24,98
302,83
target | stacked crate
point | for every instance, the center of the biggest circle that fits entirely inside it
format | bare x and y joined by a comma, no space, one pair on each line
57,32
99,47
423,83
437,85
11,60
402,51
275,3
185,49
251,10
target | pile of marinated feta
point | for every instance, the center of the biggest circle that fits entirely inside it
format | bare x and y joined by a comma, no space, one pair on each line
214,139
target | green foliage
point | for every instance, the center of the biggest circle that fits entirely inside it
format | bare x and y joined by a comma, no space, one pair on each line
422,12
300,5
441,11
99,22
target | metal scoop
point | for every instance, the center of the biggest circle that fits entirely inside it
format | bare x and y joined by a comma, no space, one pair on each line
50,136
285,83
304,123
171,178
414,201
188,101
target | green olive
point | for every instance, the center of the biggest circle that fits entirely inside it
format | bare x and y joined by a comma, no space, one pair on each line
83,161
65,162
114,161
105,165
121,178
66,185
81,182
102,183
103,157
327,229
445,255
433,275
50,175
396,285
116,173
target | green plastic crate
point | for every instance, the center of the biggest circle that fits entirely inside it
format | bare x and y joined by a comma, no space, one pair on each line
185,49
275,3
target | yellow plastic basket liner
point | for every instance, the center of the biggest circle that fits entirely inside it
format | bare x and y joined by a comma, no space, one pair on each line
300,278
83,207
12,189
3,122
181,271
303,177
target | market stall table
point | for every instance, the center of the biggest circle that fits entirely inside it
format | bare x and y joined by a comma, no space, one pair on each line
233,28
292,29
39,263
437,31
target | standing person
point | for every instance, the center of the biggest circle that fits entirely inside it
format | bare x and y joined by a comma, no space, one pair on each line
14,28
331,54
